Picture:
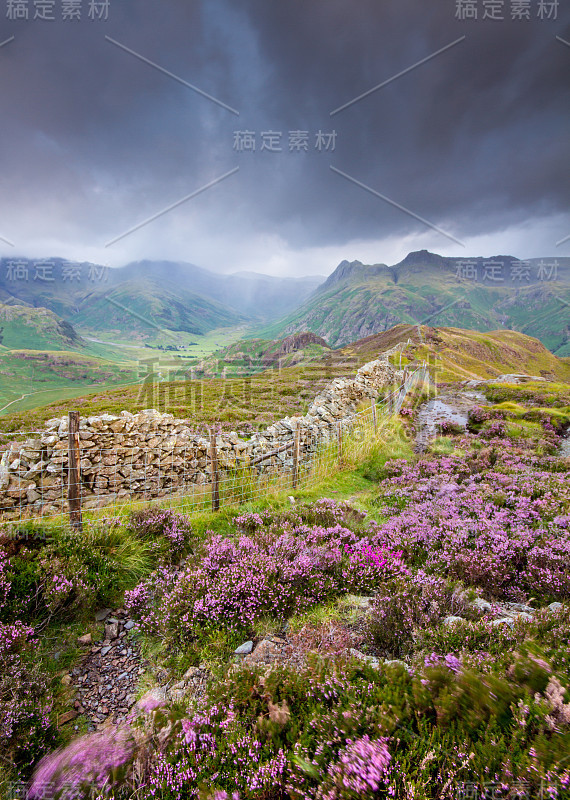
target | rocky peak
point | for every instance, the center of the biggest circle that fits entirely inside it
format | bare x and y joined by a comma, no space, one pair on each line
350,271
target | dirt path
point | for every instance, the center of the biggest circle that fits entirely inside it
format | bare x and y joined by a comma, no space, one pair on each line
565,446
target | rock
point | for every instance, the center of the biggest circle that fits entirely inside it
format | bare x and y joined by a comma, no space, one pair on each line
451,620
68,716
482,605
524,616
105,650
4,475
111,630
555,607
269,650
503,621
192,672
84,640
129,625
392,662
32,495
244,649
66,680
372,660
519,607
102,614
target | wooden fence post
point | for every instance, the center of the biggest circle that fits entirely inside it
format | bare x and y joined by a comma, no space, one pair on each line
296,454
215,473
73,481
375,417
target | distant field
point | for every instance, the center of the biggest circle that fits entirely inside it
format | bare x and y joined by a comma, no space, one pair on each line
33,379
172,343
241,404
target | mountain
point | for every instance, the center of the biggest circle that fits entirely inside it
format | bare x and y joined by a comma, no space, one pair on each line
36,329
144,307
482,294
261,297
175,296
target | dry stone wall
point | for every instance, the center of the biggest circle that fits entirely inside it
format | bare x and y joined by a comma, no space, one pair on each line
150,454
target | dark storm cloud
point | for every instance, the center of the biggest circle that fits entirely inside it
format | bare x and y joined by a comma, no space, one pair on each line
93,140
477,136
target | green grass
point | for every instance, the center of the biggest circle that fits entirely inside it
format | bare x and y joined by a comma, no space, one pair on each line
523,430
239,404
45,376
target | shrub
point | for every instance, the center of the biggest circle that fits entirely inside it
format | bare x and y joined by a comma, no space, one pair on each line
407,605
491,525
25,700
169,532
267,573
89,764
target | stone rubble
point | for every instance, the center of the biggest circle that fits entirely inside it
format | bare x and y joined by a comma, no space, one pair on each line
106,680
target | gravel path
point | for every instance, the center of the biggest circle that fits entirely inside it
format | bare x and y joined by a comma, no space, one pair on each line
107,679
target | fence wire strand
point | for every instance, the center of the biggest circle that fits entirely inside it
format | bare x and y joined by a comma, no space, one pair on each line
172,477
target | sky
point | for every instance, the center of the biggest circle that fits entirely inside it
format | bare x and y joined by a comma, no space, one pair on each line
379,126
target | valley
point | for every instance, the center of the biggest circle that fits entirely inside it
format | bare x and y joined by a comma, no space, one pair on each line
172,322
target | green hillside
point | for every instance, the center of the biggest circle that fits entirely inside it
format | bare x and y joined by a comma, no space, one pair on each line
457,355
36,329
29,378
358,300
144,310
241,403
249,356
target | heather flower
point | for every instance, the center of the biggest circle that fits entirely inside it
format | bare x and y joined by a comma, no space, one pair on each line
278,570
175,529
359,769
94,761
453,663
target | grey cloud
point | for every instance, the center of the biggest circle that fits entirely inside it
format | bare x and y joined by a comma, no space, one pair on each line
94,141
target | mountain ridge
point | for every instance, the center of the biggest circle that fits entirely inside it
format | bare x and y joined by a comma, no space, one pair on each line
478,293
71,286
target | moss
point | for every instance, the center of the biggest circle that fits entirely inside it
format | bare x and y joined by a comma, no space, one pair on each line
523,430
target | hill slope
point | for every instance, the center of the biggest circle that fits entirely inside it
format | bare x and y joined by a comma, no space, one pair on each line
358,300
173,295
456,354
36,329
144,307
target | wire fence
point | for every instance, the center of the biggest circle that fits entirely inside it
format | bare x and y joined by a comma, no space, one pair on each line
81,479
